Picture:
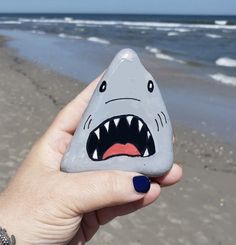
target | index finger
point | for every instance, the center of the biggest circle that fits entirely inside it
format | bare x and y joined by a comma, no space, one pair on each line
170,178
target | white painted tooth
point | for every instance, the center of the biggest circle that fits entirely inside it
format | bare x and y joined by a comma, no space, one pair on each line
129,119
148,134
95,155
97,132
140,125
107,125
146,153
116,121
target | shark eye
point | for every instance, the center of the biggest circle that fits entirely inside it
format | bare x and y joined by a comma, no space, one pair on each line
103,87
150,86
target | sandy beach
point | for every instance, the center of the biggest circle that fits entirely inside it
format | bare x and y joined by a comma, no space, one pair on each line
198,210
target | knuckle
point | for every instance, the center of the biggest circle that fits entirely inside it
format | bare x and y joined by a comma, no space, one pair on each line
108,185
113,183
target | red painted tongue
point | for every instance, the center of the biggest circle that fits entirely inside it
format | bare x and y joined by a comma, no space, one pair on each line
120,149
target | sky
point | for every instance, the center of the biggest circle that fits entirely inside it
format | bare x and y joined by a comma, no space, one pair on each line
227,7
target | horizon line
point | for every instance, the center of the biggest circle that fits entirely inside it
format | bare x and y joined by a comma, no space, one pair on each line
91,13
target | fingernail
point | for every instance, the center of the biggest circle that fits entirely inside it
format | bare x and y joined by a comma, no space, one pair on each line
141,184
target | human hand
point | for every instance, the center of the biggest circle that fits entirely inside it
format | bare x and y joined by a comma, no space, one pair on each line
42,205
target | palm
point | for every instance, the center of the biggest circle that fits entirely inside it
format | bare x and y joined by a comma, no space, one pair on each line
90,222
89,226
61,133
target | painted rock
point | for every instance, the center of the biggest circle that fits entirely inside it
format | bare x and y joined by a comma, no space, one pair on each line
125,126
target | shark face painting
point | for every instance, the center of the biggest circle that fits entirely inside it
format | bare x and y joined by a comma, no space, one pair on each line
125,126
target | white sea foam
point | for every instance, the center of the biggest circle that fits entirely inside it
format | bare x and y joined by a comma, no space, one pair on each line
68,19
11,22
164,57
225,61
152,49
172,34
42,20
98,40
63,35
139,27
24,20
164,29
182,30
224,79
213,35
220,22
182,27
160,55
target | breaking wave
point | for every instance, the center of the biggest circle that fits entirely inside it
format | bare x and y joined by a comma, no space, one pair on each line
63,35
160,55
225,61
98,40
10,22
220,22
224,79
213,35
183,27
172,34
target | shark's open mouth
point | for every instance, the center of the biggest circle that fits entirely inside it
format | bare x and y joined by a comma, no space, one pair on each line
122,135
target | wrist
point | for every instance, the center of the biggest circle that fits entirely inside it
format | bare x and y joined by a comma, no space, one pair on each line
9,222
6,232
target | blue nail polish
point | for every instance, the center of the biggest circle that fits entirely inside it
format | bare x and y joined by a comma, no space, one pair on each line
141,184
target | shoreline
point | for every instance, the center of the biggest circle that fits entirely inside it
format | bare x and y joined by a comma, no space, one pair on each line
199,210
193,99
31,97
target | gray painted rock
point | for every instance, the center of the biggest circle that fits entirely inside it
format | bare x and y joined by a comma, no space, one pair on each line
125,126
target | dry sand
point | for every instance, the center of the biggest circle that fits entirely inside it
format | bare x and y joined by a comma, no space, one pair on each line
198,210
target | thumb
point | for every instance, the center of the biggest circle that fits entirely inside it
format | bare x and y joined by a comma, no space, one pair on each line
89,191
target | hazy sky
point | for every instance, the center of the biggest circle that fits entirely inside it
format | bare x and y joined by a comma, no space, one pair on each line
122,6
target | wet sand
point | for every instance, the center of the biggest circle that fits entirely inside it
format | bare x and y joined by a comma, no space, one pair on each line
192,97
198,210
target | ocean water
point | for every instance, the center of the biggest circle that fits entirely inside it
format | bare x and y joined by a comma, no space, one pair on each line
207,42
201,48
